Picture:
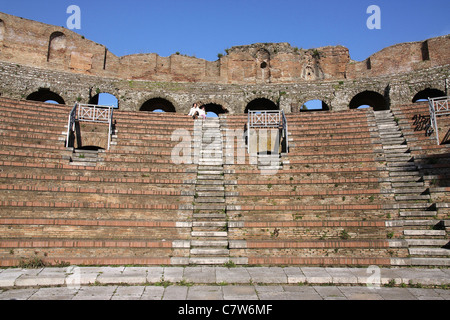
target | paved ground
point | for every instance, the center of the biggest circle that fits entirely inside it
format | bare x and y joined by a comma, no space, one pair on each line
219,283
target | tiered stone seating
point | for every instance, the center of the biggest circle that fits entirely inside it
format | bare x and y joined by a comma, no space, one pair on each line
357,188
425,222
325,207
133,207
432,159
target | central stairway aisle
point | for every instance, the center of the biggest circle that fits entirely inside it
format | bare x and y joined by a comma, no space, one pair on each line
209,245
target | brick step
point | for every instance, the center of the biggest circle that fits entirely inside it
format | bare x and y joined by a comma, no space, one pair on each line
82,197
210,234
429,252
210,188
217,252
422,233
349,143
407,173
95,257
212,177
113,185
215,260
89,232
411,189
37,115
418,213
210,182
212,224
213,194
29,129
398,157
427,242
212,200
332,132
83,163
406,179
405,165
216,172
218,216
209,243
429,262
217,161
421,222
412,197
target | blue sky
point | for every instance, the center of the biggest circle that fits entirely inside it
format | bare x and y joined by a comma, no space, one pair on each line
205,28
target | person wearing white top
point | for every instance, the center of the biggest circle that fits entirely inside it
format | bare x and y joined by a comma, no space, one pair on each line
202,112
194,111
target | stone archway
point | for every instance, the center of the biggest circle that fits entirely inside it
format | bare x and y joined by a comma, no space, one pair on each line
104,98
215,108
314,106
428,93
158,104
261,104
44,95
56,46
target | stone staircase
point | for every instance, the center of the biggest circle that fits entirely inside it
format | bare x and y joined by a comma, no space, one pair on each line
86,158
424,235
209,244
269,164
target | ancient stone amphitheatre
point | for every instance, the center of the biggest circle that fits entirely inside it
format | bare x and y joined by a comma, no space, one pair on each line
267,182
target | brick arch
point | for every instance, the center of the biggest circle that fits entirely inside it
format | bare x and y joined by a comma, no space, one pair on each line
56,46
262,103
2,31
325,106
95,98
372,98
222,105
45,94
428,93
157,102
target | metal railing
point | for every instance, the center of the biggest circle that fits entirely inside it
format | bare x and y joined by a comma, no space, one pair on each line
91,113
438,107
71,123
267,119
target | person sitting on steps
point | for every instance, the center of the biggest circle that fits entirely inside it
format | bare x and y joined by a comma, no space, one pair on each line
194,112
202,112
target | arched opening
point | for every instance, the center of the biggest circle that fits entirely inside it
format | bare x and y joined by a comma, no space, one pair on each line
369,99
427,93
263,65
45,95
261,104
56,46
105,99
158,104
314,105
213,110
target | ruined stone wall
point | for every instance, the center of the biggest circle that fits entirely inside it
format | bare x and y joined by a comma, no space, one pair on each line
56,48
35,56
19,81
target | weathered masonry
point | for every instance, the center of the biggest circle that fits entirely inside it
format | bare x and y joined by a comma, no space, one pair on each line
88,185
43,62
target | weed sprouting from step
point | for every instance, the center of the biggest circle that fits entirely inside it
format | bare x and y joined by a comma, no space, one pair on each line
229,264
